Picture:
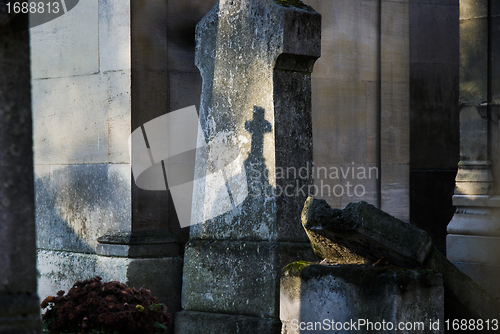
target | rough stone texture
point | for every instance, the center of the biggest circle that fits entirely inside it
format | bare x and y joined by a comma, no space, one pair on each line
223,276
255,58
363,233
361,230
238,106
312,293
18,299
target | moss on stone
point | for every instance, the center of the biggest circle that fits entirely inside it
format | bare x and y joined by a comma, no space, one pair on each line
294,268
293,3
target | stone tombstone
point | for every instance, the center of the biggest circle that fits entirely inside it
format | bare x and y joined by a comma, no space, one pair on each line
256,59
19,308
321,299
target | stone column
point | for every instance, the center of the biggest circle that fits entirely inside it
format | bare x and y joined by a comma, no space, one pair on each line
473,243
256,59
19,304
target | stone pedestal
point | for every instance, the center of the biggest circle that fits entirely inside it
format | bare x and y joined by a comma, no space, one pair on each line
19,303
473,243
256,59
351,298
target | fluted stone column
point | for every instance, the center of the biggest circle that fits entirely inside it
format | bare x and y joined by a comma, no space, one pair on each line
473,243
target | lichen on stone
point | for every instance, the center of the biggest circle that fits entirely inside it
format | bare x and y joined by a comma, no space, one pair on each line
294,268
293,3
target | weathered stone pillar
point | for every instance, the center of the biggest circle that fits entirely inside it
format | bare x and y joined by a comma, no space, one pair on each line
256,59
473,243
19,308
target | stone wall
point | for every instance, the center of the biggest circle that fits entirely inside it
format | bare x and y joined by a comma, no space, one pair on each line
361,104
98,72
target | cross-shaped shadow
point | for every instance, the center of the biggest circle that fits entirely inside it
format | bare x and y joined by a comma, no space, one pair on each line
257,172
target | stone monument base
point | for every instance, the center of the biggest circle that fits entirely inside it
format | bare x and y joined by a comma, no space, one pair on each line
233,284
358,299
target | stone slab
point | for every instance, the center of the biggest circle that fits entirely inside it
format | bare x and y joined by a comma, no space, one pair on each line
319,298
363,234
196,322
257,126
223,276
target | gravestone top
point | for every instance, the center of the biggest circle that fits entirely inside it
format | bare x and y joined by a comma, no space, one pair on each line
255,58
